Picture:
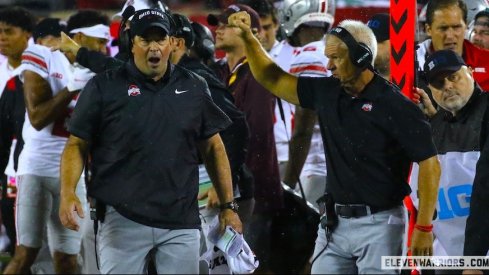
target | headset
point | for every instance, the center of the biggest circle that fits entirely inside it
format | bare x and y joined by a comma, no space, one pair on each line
183,28
203,41
360,54
125,43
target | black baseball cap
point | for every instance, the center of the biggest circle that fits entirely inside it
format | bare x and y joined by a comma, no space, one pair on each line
443,61
379,24
214,20
48,26
147,18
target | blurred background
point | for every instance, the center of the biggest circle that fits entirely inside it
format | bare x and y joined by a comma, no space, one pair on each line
197,9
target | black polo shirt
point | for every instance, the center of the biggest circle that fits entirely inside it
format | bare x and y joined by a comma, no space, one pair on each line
370,141
143,139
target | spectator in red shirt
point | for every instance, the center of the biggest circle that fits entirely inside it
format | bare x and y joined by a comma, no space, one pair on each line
446,23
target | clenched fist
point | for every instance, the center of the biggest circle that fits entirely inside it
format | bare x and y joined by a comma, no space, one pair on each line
241,20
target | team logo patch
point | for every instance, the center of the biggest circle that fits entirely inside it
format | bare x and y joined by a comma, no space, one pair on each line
367,107
133,90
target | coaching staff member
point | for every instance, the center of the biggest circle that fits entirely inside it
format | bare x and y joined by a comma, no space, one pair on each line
143,125
372,133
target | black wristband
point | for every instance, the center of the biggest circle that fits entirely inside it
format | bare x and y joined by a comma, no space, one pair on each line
233,205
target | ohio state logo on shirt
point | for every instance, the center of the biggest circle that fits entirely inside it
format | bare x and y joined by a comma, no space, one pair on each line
367,107
133,90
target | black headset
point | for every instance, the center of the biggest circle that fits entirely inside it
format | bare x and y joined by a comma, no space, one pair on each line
183,29
360,54
125,43
203,42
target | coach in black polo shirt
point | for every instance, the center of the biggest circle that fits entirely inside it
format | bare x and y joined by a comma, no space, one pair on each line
372,134
143,125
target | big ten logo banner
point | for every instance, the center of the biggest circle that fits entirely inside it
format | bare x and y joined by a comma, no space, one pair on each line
454,201
453,205
402,36
455,187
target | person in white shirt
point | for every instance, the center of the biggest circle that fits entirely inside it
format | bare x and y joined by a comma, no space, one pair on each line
306,28
280,51
51,87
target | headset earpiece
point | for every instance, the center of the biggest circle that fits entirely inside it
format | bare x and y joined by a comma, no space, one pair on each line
360,54
125,43
363,56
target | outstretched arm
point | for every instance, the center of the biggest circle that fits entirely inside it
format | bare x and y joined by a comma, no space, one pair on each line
265,71
97,62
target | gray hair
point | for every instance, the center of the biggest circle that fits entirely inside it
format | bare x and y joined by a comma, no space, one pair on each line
362,34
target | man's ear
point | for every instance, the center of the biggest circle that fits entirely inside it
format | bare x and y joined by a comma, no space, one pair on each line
427,29
173,41
179,43
27,35
77,37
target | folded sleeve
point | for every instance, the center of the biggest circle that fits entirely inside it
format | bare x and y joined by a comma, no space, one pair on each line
214,119
85,120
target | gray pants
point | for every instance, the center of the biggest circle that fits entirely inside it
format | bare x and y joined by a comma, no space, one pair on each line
125,247
88,262
37,206
357,244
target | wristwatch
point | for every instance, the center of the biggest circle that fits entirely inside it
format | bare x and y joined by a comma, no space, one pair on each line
233,205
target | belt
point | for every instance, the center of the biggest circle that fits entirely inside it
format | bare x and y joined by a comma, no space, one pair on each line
357,210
